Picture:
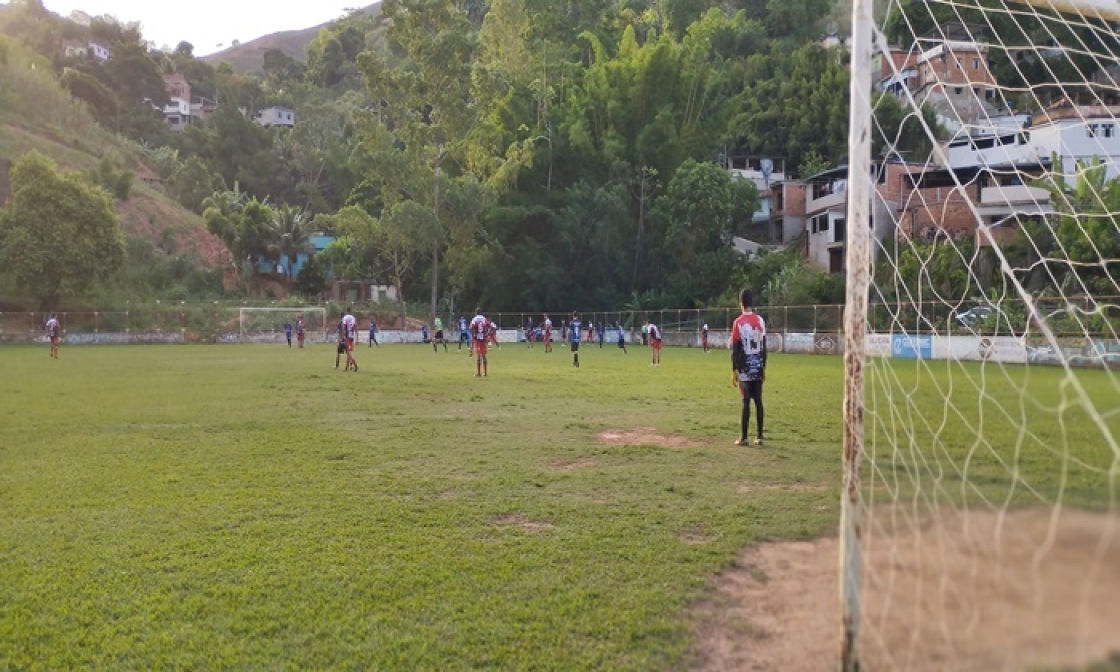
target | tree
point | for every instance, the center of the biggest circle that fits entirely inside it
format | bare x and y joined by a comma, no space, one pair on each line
192,183
291,237
242,223
694,218
427,99
59,233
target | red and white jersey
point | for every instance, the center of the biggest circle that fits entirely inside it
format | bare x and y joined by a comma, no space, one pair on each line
480,326
351,326
749,328
52,327
547,326
654,332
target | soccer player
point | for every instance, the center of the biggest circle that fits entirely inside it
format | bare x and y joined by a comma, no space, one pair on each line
492,334
439,336
591,333
341,349
748,356
299,330
602,327
288,332
464,335
621,338
704,337
546,327
529,335
645,333
480,330
373,333
351,325
654,335
53,330
575,325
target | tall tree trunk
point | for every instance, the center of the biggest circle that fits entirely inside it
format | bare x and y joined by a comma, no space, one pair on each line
436,241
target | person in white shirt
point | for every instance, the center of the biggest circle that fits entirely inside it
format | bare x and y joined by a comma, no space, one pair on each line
54,330
350,324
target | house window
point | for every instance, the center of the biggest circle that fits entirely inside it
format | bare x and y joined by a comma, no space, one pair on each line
958,64
957,90
976,64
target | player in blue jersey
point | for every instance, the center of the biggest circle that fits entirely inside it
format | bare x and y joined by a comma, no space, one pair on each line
574,334
464,334
288,332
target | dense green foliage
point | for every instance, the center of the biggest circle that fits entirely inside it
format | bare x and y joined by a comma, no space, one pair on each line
521,154
57,233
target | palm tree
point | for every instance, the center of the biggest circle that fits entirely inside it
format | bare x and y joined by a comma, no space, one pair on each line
291,236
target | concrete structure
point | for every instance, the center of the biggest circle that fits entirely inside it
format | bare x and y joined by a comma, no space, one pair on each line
763,172
276,116
787,211
177,112
99,53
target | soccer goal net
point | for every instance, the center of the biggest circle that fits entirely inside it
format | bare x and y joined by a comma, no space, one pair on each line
982,404
267,325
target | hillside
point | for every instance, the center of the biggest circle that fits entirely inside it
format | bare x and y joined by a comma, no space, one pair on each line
36,114
249,56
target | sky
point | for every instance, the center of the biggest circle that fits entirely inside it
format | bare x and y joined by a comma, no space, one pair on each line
209,23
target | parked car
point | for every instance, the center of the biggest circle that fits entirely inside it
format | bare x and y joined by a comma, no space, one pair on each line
989,320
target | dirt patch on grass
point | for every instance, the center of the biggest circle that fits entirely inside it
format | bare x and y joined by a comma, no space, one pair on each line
522,521
968,591
748,488
647,437
572,465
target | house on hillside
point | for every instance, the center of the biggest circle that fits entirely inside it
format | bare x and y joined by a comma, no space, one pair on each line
787,211
75,50
177,112
202,108
762,172
276,116
99,53
318,241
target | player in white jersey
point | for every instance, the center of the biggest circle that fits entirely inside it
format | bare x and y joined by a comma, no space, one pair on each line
54,330
350,325
748,361
480,334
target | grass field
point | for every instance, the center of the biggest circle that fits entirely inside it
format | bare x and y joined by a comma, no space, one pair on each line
251,507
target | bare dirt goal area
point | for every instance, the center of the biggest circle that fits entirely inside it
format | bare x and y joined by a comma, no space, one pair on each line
1025,590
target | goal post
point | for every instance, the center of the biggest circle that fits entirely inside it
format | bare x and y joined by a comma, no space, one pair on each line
980,512
266,325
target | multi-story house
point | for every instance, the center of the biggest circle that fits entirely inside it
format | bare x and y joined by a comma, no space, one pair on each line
787,211
762,172
177,112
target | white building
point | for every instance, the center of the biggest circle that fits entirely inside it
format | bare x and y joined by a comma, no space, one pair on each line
276,116
763,172
177,113
99,52
1071,133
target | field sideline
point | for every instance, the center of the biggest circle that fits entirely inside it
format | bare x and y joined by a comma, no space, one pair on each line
252,507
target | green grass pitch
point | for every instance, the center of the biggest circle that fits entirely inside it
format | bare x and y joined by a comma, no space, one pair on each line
251,507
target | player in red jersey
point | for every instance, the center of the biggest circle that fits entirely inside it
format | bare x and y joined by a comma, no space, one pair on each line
546,328
480,333
748,358
492,335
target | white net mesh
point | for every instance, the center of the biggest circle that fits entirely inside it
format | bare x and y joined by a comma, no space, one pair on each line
991,463
267,325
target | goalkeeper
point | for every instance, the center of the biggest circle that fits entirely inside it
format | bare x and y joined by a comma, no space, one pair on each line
748,361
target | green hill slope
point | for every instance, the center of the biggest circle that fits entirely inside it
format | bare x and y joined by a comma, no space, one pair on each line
249,56
37,114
